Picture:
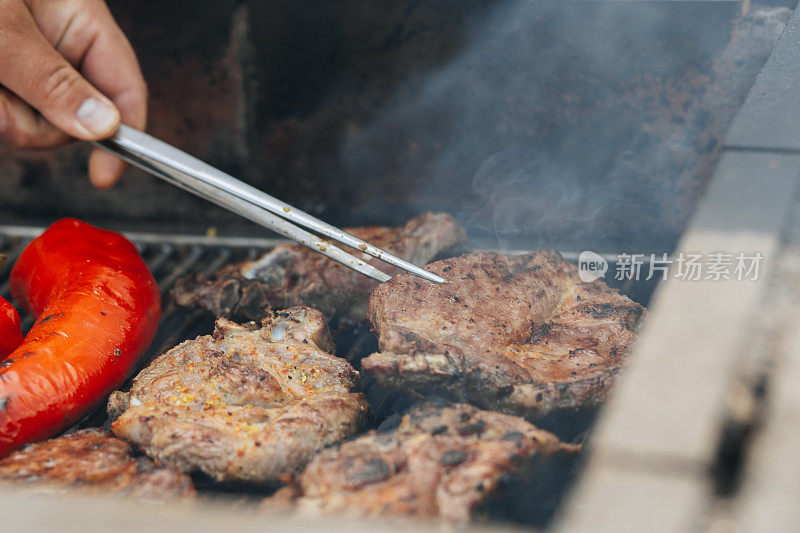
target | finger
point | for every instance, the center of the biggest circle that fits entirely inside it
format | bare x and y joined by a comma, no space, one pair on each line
92,40
111,64
105,169
23,127
36,72
86,34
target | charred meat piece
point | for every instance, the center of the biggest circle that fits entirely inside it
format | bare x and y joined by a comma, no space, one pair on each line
93,459
439,463
246,403
292,274
522,335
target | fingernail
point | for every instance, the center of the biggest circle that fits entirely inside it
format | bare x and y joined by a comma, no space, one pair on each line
96,116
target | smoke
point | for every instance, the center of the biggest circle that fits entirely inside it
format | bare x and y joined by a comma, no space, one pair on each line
569,123
671,162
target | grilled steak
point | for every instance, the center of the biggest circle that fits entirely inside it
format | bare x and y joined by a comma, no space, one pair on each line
520,334
439,463
292,274
93,459
246,404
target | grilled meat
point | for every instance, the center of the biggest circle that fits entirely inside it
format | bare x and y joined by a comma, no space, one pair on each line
292,274
246,403
93,459
522,334
439,463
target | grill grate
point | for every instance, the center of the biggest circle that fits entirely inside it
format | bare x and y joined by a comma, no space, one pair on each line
171,256
168,260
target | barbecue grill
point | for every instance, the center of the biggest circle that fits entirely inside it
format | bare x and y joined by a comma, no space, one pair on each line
171,256
668,452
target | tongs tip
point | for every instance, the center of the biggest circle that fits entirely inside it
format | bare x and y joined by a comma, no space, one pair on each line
430,276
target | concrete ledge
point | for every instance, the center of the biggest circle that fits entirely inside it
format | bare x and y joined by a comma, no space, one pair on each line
657,441
770,118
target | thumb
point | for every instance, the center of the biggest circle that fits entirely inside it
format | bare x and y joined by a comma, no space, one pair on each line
37,73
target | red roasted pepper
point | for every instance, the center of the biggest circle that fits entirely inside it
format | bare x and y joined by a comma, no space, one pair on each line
10,333
97,308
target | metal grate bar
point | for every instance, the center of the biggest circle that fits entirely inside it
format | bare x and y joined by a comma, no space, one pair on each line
184,321
195,253
224,255
11,258
157,261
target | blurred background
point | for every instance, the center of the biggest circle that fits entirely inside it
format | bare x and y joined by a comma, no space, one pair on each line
536,123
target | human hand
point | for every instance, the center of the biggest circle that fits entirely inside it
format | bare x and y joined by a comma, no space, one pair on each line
67,70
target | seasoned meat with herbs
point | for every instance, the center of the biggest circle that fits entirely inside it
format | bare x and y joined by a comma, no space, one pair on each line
246,403
439,463
95,460
291,274
521,334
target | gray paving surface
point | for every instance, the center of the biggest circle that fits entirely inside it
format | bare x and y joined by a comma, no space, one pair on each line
770,118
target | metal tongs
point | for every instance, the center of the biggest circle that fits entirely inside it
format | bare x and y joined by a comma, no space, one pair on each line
182,170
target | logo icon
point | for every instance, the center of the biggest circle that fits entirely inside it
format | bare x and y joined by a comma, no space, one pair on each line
591,266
